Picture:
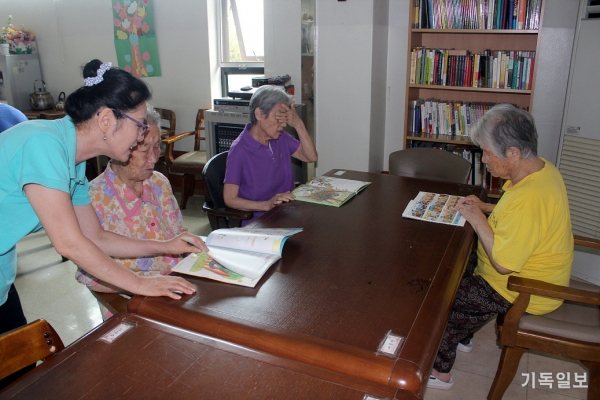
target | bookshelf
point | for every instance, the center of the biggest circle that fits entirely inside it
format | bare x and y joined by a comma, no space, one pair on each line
475,42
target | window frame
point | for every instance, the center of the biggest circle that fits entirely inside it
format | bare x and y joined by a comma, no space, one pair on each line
221,21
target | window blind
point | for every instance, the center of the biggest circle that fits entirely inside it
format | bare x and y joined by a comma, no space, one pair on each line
580,168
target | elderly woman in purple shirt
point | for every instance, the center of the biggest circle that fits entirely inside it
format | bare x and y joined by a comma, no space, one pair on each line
259,168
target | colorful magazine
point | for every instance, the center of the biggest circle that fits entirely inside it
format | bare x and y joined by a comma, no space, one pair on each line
433,207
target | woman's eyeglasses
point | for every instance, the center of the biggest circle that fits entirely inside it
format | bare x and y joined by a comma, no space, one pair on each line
142,125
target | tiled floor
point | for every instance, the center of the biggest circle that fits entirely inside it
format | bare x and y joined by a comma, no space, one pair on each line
48,289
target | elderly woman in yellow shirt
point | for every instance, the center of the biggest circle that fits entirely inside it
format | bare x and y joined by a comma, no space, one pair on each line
527,234
133,200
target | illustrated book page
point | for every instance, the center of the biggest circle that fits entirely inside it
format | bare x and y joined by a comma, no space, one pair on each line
240,255
329,190
433,207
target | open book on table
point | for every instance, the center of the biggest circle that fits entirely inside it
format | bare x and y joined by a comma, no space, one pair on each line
240,256
433,207
329,190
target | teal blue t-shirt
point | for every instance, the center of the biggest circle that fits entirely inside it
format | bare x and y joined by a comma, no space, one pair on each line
34,152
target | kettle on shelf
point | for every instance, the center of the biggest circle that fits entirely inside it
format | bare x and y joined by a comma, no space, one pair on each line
40,99
60,102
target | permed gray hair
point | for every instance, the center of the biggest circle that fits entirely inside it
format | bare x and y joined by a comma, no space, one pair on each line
266,97
505,126
152,116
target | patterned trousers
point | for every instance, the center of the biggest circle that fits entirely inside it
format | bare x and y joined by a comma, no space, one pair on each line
475,304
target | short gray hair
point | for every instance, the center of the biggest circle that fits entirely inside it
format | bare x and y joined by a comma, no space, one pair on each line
266,97
152,116
504,126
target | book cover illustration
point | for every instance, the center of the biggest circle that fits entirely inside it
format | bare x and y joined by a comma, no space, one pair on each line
202,265
240,255
433,207
328,190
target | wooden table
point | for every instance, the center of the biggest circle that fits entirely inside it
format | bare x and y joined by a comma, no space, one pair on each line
44,114
355,274
156,361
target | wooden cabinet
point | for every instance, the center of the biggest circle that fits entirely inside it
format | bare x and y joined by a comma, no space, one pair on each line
475,41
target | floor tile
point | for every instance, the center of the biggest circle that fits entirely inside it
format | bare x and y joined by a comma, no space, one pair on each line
469,386
484,358
553,365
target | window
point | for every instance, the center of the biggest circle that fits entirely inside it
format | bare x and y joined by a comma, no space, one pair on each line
234,78
242,31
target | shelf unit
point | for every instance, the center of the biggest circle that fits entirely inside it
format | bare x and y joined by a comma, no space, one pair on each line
476,41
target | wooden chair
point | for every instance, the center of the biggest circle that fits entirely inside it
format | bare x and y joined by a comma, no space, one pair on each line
189,164
573,330
219,215
26,345
168,122
427,163
167,126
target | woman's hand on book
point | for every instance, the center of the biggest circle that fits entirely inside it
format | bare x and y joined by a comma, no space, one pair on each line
186,243
474,201
278,199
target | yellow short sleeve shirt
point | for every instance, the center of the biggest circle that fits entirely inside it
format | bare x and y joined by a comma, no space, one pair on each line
532,236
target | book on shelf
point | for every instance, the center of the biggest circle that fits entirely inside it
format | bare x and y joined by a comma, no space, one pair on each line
239,256
328,190
480,14
434,207
445,117
451,67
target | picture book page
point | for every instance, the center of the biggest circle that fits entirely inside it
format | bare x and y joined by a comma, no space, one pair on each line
269,241
202,265
329,182
321,195
249,264
433,207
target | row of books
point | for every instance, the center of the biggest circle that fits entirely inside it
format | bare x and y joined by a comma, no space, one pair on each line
445,118
479,174
500,69
477,14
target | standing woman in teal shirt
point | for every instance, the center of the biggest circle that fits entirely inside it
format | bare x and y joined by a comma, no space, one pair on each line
43,186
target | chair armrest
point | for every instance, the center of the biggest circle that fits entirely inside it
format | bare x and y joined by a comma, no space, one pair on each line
173,139
228,212
533,286
586,241
527,287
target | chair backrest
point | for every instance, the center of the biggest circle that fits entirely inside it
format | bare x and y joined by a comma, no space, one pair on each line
26,345
213,175
168,122
199,127
427,163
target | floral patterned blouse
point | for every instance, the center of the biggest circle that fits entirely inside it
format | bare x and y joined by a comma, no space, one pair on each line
155,215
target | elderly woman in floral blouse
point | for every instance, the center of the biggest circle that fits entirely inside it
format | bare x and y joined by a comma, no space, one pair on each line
133,200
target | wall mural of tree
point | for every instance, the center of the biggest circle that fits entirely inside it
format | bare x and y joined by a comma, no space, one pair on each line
135,39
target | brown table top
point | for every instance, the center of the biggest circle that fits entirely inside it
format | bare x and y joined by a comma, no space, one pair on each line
156,361
354,274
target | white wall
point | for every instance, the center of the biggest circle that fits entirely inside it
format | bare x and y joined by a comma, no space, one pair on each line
395,92
379,67
553,62
344,37
72,32
282,41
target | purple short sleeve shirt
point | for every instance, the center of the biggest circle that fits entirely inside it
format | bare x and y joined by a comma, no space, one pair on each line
261,171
